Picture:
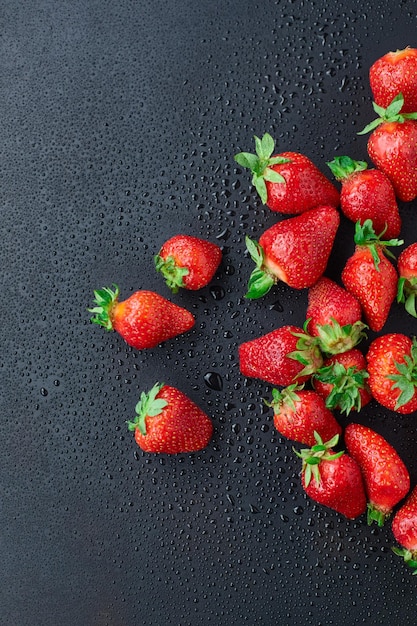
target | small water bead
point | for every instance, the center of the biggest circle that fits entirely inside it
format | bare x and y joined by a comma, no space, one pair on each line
213,380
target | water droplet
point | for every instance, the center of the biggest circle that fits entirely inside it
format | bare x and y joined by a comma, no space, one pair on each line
217,292
213,380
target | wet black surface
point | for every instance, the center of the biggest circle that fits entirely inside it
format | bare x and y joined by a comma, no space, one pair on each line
119,126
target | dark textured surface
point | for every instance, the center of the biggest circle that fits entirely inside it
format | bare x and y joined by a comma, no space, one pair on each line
119,124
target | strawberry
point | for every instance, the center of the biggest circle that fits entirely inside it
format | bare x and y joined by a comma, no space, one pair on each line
298,413
289,182
280,357
342,381
295,251
167,421
407,281
188,262
404,528
144,320
367,194
333,479
386,477
392,368
393,73
392,146
334,316
370,276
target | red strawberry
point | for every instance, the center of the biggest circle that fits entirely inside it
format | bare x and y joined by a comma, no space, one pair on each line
370,276
281,357
298,413
144,320
342,381
295,251
288,182
404,528
334,316
168,421
333,479
392,146
367,194
392,368
188,262
395,72
407,281
386,477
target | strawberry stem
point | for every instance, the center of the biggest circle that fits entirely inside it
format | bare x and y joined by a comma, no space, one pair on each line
173,274
335,338
312,457
343,166
347,383
409,557
148,406
365,236
105,299
391,114
260,164
406,379
376,515
260,280
407,293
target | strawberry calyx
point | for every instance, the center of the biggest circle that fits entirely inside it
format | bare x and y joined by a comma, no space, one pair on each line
410,558
260,164
391,114
307,352
365,236
312,457
347,383
148,406
105,300
173,274
343,166
406,379
336,338
374,514
287,396
260,280
407,293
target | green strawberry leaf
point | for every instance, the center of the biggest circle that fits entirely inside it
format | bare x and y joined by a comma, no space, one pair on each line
342,167
148,405
104,299
272,176
247,160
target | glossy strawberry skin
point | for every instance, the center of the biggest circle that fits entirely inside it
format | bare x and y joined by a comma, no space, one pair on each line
340,488
407,279
407,262
393,73
305,186
181,426
386,478
297,249
199,259
328,301
404,524
266,357
308,414
392,146
375,289
384,353
353,358
146,319
369,194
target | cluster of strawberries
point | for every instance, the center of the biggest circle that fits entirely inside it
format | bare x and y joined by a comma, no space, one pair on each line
370,475
324,353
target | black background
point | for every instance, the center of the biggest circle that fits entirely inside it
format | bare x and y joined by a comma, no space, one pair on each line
119,125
